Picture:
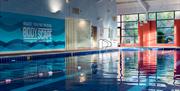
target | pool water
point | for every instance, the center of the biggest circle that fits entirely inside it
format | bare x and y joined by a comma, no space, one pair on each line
143,70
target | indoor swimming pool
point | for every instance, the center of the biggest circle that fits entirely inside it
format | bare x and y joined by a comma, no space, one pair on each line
124,70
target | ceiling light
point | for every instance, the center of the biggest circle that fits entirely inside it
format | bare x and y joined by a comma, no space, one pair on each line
55,5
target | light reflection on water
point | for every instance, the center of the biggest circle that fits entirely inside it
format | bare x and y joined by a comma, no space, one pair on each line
124,70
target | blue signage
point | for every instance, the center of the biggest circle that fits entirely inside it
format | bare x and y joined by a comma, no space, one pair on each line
20,32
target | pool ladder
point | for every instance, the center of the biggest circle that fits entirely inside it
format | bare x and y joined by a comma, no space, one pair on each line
102,41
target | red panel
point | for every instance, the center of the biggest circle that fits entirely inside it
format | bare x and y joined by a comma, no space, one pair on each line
152,33
144,34
177,32
129,45
147,35
140,32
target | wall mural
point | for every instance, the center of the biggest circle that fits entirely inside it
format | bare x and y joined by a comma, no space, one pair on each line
25,32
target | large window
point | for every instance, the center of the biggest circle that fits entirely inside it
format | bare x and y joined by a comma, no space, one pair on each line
177,15
165,27
128,26
118,25
152,16
129,29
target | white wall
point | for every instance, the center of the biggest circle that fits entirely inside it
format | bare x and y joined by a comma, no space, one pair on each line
91,10
31,7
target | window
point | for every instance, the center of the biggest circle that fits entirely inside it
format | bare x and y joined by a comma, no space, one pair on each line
142,17
165,15
152,16
165,27
129,30
165,23
130,17
128,26
118,18
177,14
118,32
118,25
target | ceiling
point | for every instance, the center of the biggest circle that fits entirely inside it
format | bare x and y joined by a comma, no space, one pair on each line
139,6
135,1
125,1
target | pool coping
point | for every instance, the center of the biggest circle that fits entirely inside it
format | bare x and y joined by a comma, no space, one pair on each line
17,53
44,52
26,56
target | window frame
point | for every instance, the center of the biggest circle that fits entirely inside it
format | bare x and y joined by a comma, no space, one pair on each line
129,29
158,27
152,19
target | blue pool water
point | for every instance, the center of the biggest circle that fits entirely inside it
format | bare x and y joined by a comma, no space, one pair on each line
132,70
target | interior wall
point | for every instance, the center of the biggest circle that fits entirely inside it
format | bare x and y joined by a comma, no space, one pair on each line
98,12
25,32
83,34
177,31
78,35
147,34
34,7
70,34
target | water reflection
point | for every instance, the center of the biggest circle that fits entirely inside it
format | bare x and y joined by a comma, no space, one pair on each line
177,69
94,67
124,70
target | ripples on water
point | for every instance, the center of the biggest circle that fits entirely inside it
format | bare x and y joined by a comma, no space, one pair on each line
116,71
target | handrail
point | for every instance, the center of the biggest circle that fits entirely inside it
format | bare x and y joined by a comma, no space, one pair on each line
109,43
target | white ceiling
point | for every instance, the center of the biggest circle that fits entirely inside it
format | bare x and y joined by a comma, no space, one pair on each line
157,1
133,6
125,1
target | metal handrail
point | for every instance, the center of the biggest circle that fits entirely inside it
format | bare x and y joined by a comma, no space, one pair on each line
109,43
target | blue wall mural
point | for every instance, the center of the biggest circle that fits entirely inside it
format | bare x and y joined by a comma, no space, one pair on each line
20,32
